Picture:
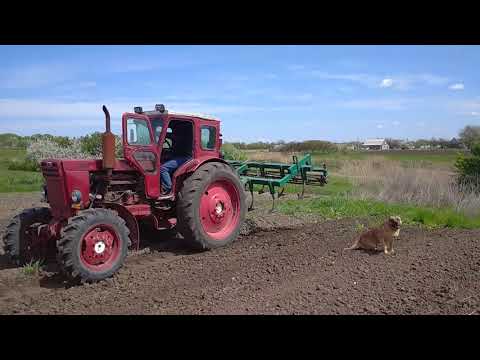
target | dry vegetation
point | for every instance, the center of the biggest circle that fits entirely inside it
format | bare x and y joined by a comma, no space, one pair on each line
424,179
394,182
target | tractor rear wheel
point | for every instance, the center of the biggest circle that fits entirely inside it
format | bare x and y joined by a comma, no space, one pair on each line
93,245
211,206
18,238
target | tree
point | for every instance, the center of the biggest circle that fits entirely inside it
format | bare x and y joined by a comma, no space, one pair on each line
470,135
92,144
394,143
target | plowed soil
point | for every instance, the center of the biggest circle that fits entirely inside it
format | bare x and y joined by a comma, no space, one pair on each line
280,265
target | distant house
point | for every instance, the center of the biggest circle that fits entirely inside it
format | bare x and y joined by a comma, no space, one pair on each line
376,144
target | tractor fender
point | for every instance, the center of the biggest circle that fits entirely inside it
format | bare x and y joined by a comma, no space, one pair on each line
130,221
190,167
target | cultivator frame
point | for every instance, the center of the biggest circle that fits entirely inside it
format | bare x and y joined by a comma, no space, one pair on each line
274,175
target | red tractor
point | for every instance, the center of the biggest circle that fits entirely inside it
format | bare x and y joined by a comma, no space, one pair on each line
95,205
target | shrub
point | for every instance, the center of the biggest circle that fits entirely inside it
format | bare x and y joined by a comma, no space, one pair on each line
309,146
230,152
92,144
468,168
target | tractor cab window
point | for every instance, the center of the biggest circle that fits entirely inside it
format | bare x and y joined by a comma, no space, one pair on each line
157,126
138,132
208,137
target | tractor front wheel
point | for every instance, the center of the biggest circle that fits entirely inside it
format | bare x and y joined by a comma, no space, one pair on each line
211,206
93,245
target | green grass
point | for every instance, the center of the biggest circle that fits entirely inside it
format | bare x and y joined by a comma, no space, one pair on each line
32,268
337,207
17,180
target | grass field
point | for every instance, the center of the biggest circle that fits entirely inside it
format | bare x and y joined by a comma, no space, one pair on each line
337,207
17,181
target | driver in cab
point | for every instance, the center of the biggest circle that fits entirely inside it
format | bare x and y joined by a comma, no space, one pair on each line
180,154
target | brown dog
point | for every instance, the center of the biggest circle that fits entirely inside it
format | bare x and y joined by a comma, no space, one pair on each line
379,237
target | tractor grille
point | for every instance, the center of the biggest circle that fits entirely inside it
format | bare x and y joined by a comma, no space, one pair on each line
56,192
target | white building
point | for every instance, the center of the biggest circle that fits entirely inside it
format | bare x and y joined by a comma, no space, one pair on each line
376,144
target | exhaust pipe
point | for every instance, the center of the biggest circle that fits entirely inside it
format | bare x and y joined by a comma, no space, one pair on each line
108,144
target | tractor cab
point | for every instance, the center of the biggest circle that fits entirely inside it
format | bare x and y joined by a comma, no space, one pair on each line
151,138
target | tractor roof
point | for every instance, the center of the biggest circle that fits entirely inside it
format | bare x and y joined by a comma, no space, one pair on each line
203,116
197,115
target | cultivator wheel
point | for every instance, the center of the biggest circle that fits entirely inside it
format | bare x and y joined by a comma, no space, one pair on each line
93,245
211,206
18,240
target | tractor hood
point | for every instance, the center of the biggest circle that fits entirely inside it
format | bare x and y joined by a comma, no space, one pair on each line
92,165
63,177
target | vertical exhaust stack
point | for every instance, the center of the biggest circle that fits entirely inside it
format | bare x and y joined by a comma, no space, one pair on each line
108,145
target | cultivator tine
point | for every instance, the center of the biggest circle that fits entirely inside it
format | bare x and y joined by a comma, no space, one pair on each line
273,203
300,196
272,192
262,190
281,192
250,186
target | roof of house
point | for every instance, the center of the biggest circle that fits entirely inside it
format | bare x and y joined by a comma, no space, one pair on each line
373,142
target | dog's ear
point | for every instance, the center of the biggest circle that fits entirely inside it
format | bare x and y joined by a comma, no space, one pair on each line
392,222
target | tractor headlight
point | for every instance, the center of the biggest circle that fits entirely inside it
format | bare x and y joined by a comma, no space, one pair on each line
76,196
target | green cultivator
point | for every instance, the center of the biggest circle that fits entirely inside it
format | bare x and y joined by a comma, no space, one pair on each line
279,174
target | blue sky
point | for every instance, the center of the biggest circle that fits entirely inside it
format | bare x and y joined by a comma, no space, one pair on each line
261,93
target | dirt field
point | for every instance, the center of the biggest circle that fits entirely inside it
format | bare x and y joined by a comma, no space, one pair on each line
280,265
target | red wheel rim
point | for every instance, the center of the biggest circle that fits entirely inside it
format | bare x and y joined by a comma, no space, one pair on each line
220,209
99,248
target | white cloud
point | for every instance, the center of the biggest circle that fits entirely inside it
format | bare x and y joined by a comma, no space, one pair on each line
386,83
420,124
393,104
398,81
475,113
396,123
25,113
379,126
365,79
458,86
36,76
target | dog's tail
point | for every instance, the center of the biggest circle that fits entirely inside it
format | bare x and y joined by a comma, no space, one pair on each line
353,247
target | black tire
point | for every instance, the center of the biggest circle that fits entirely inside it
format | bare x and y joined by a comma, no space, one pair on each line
70,243
15,241
188,205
